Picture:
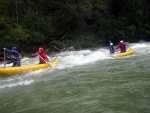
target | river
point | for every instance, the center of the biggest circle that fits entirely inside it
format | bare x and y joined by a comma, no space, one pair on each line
85,81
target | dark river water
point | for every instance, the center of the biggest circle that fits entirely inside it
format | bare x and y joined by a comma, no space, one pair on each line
86,81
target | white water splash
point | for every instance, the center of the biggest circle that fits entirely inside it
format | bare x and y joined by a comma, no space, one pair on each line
66,60
20,83
141,48
140,45
74,58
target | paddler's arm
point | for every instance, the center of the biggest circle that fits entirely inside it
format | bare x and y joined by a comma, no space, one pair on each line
117,47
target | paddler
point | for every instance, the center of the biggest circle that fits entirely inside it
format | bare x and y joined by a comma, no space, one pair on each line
15,57
122,46
42,56
112,49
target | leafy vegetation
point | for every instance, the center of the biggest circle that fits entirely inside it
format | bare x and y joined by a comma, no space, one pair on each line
28,24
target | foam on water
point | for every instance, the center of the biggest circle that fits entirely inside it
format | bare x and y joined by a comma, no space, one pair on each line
141,48
66,60
19,83
140,45
82,57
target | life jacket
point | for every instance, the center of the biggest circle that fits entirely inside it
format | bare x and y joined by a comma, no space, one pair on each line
123,47
42,53
17,57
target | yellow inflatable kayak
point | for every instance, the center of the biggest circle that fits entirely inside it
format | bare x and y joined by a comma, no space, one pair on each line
26,68
129,52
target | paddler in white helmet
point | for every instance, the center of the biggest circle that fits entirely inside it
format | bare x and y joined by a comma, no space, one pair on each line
122,46
112,49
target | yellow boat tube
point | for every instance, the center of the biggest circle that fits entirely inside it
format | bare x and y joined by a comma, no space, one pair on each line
26,68
129,52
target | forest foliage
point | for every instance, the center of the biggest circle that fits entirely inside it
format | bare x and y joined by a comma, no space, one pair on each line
29,24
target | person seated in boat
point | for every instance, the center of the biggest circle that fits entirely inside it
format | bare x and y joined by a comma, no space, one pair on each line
42,56
112,49
15,57
122,46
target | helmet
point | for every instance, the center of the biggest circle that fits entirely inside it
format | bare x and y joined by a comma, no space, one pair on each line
14,48
41,49
121,41
111,44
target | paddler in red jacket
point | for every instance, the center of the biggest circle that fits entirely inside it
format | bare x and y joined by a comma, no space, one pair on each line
42,56
122,46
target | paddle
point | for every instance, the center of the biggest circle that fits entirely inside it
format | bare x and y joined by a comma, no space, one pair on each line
44,60
4,58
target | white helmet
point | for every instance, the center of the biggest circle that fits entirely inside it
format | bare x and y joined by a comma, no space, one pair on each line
111,44
121,41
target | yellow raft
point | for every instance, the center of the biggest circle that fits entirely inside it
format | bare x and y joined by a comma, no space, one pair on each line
129,52
26,68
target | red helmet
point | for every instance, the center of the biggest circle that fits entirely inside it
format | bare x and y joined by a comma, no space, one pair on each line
41,49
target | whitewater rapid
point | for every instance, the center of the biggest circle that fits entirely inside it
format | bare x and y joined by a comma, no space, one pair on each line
67,59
